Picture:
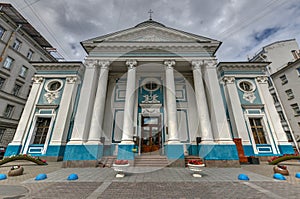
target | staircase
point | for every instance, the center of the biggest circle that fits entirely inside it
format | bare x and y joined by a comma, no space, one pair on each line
151,161
190,157
107,161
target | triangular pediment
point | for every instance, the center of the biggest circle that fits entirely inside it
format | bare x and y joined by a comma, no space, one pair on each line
148,31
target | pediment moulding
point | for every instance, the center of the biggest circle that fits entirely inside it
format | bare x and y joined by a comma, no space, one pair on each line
58,66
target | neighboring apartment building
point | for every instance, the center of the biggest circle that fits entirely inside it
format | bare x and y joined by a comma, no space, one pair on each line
20,43
281,54
287,82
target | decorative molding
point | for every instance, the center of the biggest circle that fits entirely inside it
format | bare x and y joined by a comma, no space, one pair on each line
37,79
249,96
262,79
169,63
150,99
150,109
131,63
253,106
51,96
71,79
43,106
229,80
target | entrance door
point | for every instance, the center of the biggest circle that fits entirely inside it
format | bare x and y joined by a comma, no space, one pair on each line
151,134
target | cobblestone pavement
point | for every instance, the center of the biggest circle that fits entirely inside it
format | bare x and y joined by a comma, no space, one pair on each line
150,183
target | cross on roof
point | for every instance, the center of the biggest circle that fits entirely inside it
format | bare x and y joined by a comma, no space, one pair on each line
150,14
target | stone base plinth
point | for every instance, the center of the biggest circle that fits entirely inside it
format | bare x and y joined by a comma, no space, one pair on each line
222,163
79,163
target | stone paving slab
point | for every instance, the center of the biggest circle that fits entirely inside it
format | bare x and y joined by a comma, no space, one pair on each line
142,175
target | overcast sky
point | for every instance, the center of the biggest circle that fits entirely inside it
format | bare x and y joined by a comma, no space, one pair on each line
244,26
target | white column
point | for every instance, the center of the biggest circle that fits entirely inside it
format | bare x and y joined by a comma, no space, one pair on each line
99,105
202,106
128,123
25,120
219,122
85,104
270,110
62,123
171,103
236,112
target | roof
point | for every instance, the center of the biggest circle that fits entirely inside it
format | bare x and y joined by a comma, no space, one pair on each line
14,15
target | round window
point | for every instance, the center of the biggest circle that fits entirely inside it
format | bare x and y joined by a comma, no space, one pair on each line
246,86
151,86
54,85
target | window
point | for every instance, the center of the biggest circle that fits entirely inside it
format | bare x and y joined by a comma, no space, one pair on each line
23,71
289,94
2,131
17,44
258,130
2,81
54,85
8,62
289,136
42,127
2,30
29,54
296,109
246,86
275,98
16,90
298,69
283,79
282,118
8,111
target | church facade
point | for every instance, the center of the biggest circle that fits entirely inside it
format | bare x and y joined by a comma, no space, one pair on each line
150,90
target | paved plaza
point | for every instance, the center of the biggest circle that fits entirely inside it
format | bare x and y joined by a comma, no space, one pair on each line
149,183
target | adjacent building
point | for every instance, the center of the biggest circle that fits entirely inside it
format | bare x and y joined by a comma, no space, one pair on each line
20,44
150,90
284,83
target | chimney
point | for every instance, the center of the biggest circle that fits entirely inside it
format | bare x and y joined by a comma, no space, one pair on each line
296,54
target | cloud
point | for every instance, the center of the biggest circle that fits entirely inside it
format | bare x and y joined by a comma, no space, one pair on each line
243,26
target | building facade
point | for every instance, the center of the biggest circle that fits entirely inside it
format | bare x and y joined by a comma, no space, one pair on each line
20,43
150,90
281,54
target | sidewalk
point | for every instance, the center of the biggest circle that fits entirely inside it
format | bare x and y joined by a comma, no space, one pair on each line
143,183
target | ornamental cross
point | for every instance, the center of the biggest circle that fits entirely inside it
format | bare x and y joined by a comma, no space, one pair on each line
150,14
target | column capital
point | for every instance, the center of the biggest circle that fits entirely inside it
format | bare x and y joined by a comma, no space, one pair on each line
169,63
104,64
131,63
262,79
196,64
71,79
210,63
90,63
229,80
37,79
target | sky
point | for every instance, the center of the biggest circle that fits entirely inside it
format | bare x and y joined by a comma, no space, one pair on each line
243,26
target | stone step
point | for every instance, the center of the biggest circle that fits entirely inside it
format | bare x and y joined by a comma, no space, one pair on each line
107,161
151,161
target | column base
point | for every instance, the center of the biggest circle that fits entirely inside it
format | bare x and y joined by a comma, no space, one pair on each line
125,151
83,152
